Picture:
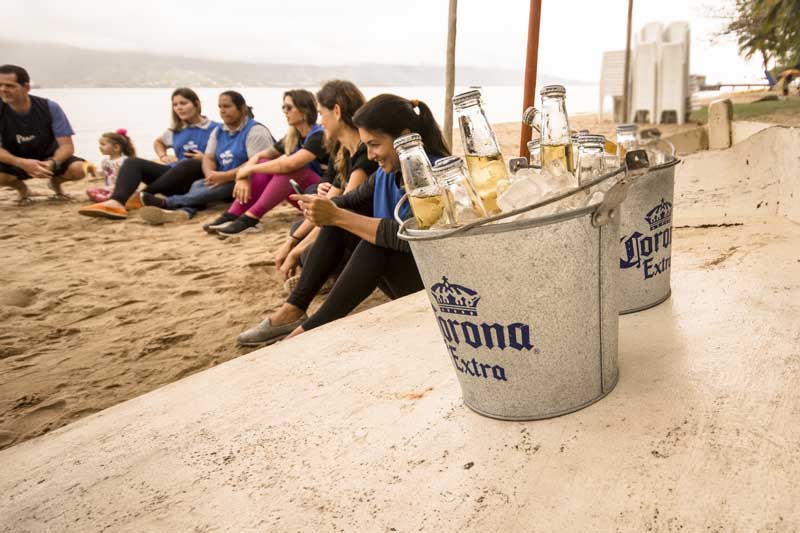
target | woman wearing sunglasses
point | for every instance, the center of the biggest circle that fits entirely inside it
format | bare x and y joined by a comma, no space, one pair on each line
360,223
263,182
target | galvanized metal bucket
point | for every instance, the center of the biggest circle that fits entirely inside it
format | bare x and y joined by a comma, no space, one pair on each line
646,239
528,309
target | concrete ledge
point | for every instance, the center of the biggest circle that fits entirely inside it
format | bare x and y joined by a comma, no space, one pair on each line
359,425
760,175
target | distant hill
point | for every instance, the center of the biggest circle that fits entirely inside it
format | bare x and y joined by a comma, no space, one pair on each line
54,65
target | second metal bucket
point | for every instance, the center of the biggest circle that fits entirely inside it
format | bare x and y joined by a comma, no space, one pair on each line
646,240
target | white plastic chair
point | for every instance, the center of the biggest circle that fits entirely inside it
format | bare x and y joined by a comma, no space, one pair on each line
674,71
645,86
612,80
672,82
652,32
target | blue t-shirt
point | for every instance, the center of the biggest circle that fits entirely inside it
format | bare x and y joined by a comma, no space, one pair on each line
61,125
388,193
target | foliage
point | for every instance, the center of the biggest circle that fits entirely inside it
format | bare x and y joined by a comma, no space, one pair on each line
769,28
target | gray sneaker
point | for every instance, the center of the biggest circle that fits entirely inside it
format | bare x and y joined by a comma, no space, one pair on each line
265,333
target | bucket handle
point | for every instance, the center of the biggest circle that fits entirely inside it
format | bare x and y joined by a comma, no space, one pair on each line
636,165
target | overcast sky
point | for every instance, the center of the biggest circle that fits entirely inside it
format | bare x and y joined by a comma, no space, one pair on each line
574,33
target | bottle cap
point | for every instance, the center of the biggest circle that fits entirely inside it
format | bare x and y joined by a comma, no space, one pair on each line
529,116
448,163
553,90
466,97
406,140
592,139
627,128
533,143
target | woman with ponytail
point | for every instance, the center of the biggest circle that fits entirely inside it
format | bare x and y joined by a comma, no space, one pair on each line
337,102
359,223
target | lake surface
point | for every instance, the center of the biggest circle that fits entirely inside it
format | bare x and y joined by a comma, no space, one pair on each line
145,113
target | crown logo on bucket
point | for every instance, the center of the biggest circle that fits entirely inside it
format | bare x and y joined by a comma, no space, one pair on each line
455,299
660,215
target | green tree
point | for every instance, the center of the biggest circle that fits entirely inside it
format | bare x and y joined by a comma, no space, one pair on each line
768,28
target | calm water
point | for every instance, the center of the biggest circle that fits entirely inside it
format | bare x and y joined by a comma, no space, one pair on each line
145,113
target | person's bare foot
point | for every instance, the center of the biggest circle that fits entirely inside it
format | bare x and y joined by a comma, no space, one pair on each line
297,331
286,314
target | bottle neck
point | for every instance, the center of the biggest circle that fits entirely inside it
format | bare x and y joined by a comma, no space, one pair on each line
555,123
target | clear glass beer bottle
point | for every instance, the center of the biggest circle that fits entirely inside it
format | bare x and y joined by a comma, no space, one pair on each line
556,143
591,158
428,201
536,154
627,139
451,175
481,150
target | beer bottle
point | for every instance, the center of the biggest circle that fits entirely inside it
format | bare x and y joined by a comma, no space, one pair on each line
627,139
535,150
482,151
556,143
451,175
591,157
428,202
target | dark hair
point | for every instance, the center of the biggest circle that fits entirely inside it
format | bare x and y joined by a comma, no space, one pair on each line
239,101
350,99
392,115
121,139
21,73
177,123
307,104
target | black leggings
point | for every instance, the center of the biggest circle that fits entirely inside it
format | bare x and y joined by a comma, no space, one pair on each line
370,266
160,179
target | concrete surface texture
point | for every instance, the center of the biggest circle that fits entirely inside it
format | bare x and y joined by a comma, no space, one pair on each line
359,425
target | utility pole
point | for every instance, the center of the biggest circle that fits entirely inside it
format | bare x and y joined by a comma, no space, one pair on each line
531,65
625,92
450,73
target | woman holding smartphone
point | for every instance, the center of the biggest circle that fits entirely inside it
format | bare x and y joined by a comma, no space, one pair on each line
337,103
263,182
359,223
187,136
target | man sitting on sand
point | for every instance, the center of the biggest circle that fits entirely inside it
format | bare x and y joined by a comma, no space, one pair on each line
35,138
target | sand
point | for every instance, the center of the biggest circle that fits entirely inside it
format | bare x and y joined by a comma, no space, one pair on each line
96,312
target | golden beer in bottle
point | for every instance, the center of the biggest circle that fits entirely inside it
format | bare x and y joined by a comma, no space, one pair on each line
482,153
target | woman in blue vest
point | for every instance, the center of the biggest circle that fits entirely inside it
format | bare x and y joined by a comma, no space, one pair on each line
187,136
238,139
263,182
360,222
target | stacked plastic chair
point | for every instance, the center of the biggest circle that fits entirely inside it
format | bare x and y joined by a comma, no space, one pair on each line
645,73
612,81
673,72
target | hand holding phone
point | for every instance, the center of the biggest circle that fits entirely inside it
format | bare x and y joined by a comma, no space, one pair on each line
295,186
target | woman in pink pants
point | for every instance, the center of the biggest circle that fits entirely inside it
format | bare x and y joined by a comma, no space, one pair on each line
263,182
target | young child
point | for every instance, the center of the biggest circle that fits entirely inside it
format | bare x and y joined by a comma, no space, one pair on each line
115,146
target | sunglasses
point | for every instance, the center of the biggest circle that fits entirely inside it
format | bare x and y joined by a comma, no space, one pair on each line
286,108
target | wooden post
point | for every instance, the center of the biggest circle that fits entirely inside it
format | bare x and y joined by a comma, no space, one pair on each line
626,82
450,74
531,64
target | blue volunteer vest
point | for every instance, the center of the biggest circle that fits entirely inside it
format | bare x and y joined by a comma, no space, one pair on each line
232,147
315,165
387,194
191,138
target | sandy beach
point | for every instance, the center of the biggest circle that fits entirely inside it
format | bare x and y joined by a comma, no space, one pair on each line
96,312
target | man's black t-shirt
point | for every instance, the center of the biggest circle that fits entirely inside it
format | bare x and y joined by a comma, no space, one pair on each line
357,161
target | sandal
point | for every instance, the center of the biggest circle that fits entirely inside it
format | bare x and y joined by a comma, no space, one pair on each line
24,202
104,211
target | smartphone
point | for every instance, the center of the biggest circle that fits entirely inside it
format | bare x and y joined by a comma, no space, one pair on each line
295,186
